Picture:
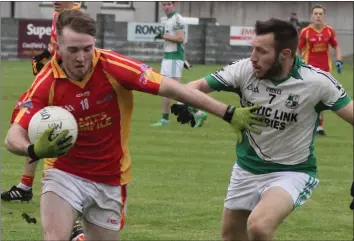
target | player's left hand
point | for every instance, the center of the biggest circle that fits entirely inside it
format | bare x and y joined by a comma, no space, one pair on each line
159,36
352,194
183,113
339,65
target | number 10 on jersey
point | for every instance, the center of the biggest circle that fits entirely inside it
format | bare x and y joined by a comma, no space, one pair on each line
84,104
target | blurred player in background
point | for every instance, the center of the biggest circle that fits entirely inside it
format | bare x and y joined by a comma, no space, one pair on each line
91,179
314,47
295,21
23,191
275,172
174,56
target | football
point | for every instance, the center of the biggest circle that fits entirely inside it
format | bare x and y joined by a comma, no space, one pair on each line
52,116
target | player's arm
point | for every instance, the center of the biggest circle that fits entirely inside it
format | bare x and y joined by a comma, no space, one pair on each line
346,113
335,98
179,38
17,141
302,41
334,43
228,78
190,96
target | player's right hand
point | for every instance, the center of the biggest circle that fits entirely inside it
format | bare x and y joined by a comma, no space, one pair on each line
244,119
48,146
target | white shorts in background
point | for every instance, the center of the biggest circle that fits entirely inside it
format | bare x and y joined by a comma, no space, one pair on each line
246,189
172,68
100,204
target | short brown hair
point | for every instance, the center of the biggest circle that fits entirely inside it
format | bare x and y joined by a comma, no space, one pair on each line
318,6
77,20
285,34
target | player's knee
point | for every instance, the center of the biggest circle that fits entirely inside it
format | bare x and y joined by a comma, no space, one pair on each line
258,229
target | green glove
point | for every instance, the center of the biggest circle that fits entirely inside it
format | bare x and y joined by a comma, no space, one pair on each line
46,147
243,118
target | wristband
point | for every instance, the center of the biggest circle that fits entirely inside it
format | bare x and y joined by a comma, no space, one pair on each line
31,154
229,113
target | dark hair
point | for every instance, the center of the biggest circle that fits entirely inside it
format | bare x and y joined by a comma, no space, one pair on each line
77,20
285,34
318,6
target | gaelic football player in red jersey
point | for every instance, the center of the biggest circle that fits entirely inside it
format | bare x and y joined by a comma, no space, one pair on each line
314,47
91,179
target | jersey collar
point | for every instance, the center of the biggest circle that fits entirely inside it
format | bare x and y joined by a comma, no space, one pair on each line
294,72
60,74
171,14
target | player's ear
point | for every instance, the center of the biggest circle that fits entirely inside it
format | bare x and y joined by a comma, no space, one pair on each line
286,53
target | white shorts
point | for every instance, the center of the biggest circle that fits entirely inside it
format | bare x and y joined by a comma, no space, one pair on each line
100,204
246,189
172,68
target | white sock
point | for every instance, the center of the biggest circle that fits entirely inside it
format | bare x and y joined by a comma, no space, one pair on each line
319,128
23,186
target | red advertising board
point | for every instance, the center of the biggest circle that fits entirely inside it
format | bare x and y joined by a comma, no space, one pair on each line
34,37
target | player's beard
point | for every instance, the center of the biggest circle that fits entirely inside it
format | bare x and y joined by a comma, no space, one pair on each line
275,70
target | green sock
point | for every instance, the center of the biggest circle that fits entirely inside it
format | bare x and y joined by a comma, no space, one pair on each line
165,116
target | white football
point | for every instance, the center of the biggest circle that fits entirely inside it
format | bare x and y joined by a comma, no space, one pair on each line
51,116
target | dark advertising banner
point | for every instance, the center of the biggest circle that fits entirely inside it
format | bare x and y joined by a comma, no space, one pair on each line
34,37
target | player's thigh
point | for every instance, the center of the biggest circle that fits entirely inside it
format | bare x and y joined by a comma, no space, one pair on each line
94,232
282,193
242,192
241,198
61,201
107,209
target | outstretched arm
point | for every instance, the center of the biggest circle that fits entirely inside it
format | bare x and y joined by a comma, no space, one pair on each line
192,94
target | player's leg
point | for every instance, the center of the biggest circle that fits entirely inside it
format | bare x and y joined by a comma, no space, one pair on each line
320,130
61,201
57,217
23,191
242,196
234,225
94,232
275,205
283,192
104,216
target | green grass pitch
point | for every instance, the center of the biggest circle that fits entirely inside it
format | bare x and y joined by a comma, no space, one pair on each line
181,174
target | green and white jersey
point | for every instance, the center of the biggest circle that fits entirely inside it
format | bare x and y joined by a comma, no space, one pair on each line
291,108
173,50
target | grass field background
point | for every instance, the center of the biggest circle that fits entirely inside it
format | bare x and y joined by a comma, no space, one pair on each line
181,174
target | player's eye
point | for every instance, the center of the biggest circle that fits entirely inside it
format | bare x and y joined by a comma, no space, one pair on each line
88,49
72,50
